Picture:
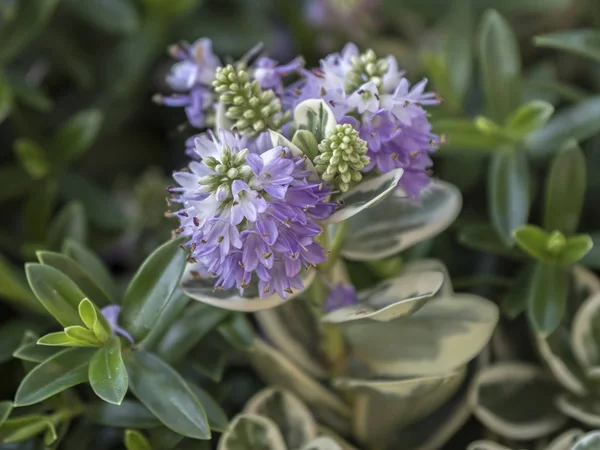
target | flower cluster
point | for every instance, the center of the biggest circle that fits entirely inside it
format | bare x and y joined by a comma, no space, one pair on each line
372,95
193,75
250,208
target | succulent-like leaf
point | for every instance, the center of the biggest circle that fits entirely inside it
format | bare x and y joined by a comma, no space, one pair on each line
515,400
430,264
203,290
391,299
528,118
292,417
248,432
107,373
444,334
366,195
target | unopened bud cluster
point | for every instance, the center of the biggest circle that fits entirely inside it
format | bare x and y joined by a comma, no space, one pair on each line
252,109
342,155
365,68
231,167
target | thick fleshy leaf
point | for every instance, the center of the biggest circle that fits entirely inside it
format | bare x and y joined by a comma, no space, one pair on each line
566,440
248,432
590,441
584,42
367,194
508,193
580,121
292,328
391,299
93,265
59,294
528,117
516,401
498,48
316,117
275,369
576,248
291,416
322,443
547,297
565,189
398,223
151,287
585,410
534,241
107,373
83,279
129,414
585,333
73,339
203,290
62,371
166,394
444,334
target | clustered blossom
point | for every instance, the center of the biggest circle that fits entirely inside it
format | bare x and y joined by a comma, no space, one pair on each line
372,95
192,76
250,209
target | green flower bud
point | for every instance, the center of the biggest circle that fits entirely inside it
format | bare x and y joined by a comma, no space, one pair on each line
365,68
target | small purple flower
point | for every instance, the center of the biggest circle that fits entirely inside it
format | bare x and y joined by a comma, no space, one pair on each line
340,296
269,75
250,211
111,314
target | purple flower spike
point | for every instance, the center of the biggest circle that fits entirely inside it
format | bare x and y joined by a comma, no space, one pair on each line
340,296
111,314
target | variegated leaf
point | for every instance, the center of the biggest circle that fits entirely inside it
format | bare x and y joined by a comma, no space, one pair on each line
590,441
443,335
428,264
515,400
486,445
291,416
249,432
585,333
399,222
566,440
585,410
366,195
326,432
391,299
322,443
315,116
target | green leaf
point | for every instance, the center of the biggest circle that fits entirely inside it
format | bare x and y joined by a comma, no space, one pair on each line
547,297
77,134
483,238
500,66
32,157
534,241
88,313
238,331
6,97
151,287
82,334
528,117
62,371
515,301
35,353
166,322
30,95
217,419
69,223
62,339
93,265
580,121
13,287
111,16
592,259
508,193
30,18
316,117
16,181
38,209
462,134
77,274
25,427
306,142
134,440
576,248
11,335
584,42
166,394
129,414
590,441
59,294
565,189
188,330
107,373
5,410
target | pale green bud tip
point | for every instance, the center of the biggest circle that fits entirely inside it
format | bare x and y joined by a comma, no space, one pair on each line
556,242
366,67
342,155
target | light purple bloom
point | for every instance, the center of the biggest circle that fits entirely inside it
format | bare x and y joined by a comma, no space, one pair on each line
269,75
340,296
111,314
250,213
387,111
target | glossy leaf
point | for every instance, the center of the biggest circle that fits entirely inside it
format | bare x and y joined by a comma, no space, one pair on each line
508,193
534,241
576,248
500,66
5,410
35,353
459,46
547,297
151,287
166,394
62,339
217,419
129,414
134,440
25,427
107,373
167,321
62,371
59,294
565,189
584,42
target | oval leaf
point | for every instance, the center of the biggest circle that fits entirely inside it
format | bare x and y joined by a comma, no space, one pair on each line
134,440
248,432
129,414
585,410
107,373
547,297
